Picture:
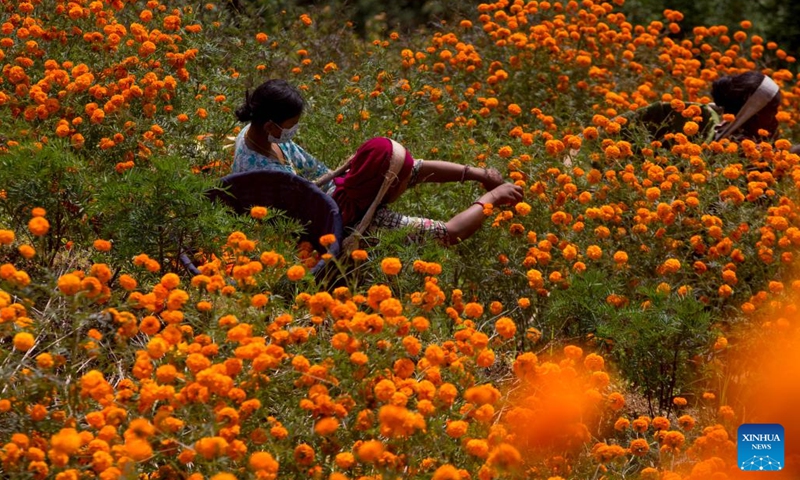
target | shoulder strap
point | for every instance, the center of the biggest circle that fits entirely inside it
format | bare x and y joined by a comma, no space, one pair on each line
395,165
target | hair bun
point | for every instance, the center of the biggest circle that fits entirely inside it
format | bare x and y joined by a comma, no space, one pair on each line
245,112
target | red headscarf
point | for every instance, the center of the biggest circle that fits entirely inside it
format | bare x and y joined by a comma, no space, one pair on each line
358,187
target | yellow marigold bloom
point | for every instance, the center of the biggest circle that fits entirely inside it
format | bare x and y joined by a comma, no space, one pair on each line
39,226
391,266
23,341
295,273
258,212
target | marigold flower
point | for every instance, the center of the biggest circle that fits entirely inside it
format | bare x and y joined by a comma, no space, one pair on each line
447,472
522,208
23,341
639,447
359,255
6,237
295,273
27,251
39,226
326,426
391,266
370,451
505,327
258,212
594,362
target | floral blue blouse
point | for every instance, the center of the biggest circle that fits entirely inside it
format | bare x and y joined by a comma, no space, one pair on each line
299,162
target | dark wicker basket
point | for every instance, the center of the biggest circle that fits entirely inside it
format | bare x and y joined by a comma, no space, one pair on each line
295,196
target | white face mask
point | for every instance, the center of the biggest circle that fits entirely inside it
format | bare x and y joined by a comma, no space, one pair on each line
286,134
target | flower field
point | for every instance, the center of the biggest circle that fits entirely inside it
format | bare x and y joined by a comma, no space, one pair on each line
620,322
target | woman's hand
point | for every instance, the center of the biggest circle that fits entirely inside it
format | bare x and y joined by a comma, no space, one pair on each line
505,194
491,179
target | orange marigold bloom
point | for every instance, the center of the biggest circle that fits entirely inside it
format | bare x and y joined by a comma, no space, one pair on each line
690,128
304,454
447,472
616,401
6,237
258,212
370,451
594,362
326,426
505,327
660,423
639,447
23,341
327,240
27,251
295,273
102,245
522,208
39,226
391,266
69,284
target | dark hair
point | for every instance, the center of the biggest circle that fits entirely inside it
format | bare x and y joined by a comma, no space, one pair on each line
732,92
274,100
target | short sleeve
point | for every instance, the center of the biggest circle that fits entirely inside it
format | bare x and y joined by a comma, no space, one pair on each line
305,163
385,218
